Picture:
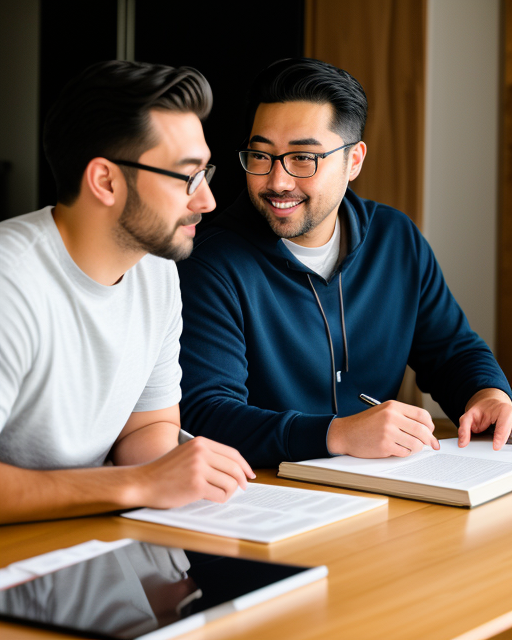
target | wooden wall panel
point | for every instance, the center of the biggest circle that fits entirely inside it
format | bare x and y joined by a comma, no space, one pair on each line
381,43
504,333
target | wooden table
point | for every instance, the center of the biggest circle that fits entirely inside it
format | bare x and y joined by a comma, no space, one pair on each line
413,571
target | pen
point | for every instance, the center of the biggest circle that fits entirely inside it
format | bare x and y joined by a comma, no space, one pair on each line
369,400
184,436
373,403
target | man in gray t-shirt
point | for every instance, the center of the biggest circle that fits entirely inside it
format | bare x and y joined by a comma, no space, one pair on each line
90,314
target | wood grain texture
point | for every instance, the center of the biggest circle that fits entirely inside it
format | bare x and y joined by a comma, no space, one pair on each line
415,570
383,45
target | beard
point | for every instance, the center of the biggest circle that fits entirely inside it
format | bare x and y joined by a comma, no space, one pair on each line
139,228
311,215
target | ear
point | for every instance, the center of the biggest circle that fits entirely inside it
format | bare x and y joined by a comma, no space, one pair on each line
357,157
105,181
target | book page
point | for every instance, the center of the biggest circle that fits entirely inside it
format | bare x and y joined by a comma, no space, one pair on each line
449,469
262,513
451,466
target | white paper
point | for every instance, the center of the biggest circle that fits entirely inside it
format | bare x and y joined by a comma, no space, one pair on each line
451,469
262,513
28,569
451,466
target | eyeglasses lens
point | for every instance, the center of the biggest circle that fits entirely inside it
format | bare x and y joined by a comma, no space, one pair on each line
254,162
197,178
210,170
195,181
301,165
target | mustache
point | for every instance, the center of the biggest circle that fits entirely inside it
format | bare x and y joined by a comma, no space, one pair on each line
282,196
185,221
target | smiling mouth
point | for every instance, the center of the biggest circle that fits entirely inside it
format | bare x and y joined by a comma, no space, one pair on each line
284,204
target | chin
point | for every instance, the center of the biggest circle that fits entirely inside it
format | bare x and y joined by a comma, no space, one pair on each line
283,227
174,251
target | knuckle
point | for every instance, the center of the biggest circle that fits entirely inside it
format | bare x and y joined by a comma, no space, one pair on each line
223,497
425,434
232,485
229,489
426,419
199,442
389,412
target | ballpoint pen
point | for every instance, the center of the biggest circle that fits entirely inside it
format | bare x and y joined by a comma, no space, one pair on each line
184,436
369,400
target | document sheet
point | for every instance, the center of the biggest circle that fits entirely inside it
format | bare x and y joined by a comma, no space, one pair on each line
262,513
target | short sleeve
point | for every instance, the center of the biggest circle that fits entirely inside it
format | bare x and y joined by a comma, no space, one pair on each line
163,388
18,342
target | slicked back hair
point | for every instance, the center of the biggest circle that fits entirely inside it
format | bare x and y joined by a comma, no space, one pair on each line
306,79
105,112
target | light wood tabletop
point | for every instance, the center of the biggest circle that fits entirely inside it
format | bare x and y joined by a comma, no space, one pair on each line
410,571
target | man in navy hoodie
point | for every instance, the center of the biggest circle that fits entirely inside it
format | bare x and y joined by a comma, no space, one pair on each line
304,296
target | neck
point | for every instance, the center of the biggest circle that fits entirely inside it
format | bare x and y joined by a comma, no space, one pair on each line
321,234
88,235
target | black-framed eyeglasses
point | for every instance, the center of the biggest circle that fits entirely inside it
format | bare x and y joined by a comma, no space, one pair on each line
192,181
299,164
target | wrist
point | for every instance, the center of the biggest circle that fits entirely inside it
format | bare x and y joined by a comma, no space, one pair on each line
132,487
335,437
488,394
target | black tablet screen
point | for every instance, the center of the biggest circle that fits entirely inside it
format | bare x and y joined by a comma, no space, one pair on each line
136,589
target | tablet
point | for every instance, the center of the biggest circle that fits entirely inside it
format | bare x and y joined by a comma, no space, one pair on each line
148,592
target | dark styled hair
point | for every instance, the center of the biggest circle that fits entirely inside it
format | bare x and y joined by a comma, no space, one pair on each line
104,112
306,79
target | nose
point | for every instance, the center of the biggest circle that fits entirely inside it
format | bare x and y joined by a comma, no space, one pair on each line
202,200
279,180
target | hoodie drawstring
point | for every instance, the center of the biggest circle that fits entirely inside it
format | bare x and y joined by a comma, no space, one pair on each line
342,312
345,343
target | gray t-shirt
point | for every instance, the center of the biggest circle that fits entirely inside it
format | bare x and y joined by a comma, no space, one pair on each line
77,357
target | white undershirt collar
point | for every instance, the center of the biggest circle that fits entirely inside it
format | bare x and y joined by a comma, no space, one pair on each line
321,260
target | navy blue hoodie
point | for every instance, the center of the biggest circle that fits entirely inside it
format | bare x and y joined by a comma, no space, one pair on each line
272,352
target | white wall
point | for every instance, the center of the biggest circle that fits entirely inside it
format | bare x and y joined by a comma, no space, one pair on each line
461,169
19,71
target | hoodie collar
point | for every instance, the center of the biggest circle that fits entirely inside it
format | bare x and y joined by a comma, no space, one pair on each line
243,219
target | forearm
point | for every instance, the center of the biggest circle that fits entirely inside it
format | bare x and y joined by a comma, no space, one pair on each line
264,438
145,444
198,470
29,495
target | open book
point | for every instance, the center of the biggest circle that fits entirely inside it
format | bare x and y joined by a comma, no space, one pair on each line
262,513
462,477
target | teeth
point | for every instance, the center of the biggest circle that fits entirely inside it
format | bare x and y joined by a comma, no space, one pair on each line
284,205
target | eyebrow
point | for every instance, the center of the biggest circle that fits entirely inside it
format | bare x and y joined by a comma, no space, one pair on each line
185,161
257,138
298,143
306,141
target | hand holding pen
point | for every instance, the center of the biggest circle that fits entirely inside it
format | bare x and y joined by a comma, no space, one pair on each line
387,429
